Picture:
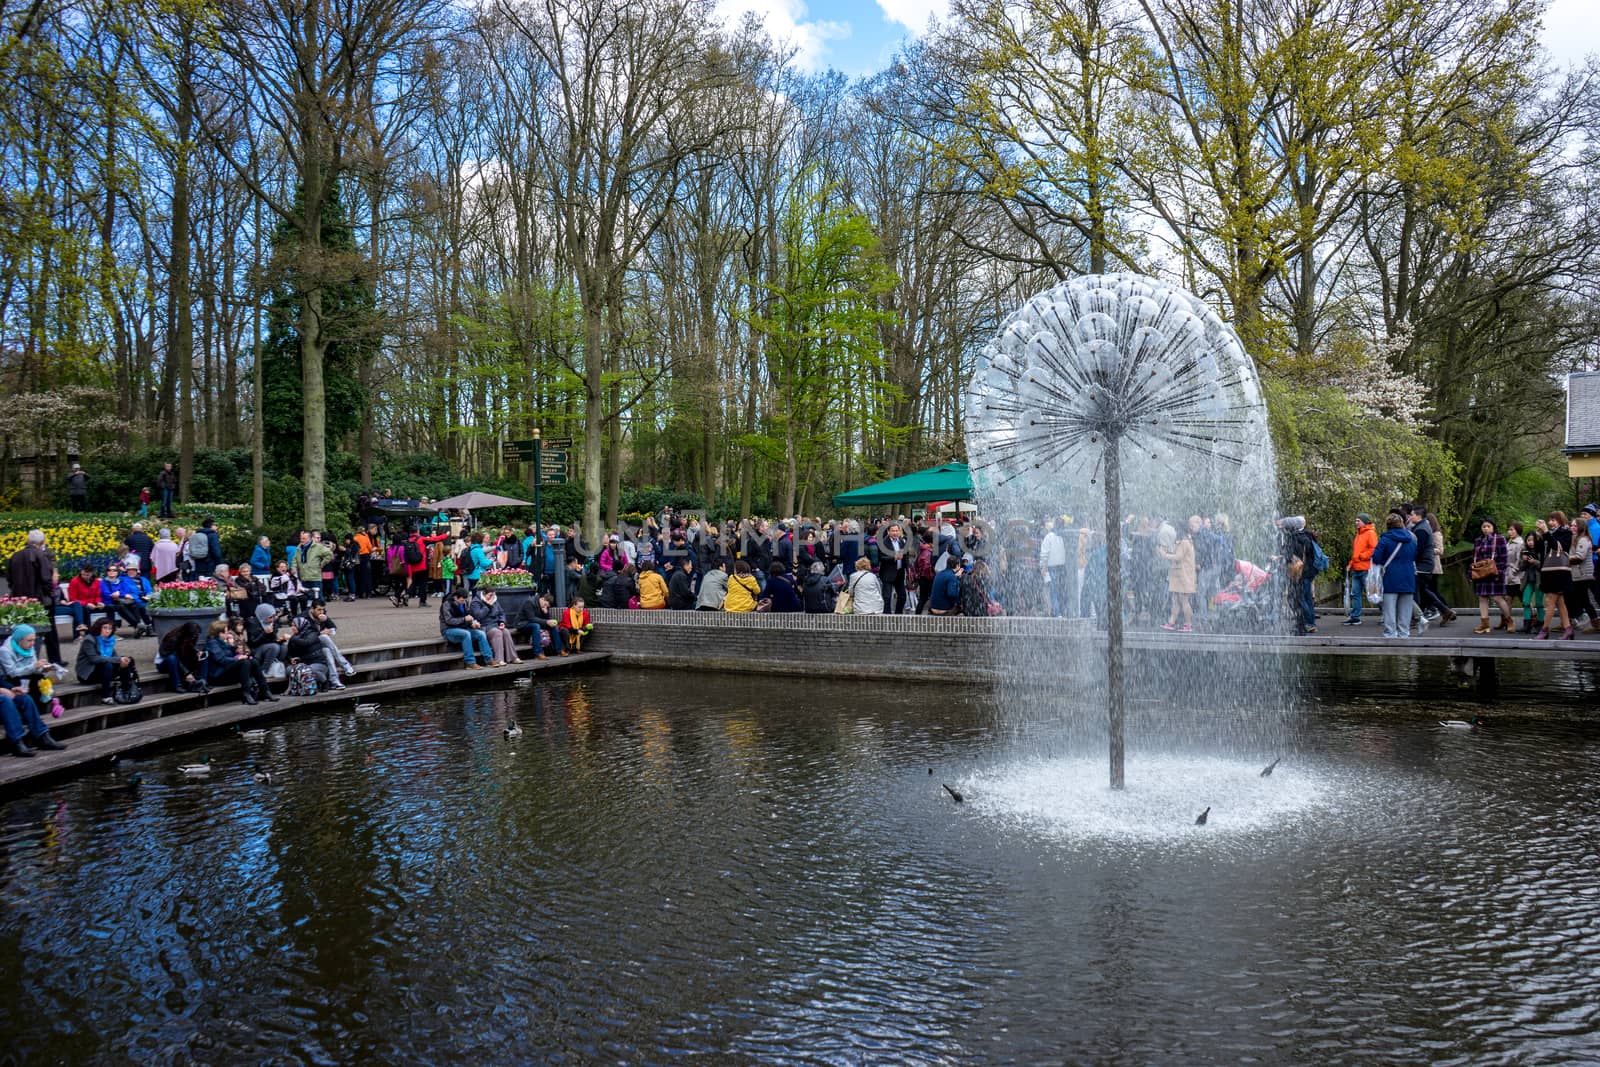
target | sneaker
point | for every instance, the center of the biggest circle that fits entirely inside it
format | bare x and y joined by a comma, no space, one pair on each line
349,670
1430,615
1186,629
1422,626
1168,626
1352,622
107,700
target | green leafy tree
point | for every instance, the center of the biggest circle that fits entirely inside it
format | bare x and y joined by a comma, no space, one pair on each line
350,323
823,348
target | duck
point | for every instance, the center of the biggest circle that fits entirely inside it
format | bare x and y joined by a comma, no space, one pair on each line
1200,820
196,770
1267,771
253,735
130,786
264,777
1462,724
958,797
368,708
513,731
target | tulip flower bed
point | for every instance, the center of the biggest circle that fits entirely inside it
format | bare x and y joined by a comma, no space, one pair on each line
202,594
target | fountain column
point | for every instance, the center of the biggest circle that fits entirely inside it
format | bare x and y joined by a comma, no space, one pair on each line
1115,703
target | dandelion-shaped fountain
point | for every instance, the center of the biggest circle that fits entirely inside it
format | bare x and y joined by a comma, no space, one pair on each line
1114,378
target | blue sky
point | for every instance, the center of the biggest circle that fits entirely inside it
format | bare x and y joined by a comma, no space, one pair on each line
858,36
854,36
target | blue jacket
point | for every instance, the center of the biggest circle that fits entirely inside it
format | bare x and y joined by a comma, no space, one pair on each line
1397,555
480,563
214,539
946,590
260,561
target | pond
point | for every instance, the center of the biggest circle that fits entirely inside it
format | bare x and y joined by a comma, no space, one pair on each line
672,866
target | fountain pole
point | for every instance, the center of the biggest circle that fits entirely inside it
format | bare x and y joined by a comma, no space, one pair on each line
1114,709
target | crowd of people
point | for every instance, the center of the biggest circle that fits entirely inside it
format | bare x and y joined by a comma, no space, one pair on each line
1182,573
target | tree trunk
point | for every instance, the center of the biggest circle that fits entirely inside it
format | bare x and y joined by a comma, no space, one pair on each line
182,349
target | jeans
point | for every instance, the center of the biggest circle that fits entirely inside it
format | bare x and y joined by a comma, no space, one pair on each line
313,590
470,641
21,717
1397,608
1060,595
1427,594
166,503
1307,605
80,503
1358,592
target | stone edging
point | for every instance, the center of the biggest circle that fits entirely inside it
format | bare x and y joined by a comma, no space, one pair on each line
931,625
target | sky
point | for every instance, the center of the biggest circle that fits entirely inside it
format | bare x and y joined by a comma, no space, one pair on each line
858,36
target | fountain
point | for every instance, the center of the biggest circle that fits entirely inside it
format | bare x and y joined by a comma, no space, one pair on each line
1123,383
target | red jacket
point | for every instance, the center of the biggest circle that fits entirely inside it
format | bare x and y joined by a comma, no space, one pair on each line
82,592
422,544
1361,551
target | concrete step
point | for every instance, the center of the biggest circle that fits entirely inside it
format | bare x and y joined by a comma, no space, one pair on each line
374,663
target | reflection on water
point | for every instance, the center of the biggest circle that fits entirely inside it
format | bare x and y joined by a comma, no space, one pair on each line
666,865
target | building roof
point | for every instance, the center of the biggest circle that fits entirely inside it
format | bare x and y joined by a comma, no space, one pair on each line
1583,412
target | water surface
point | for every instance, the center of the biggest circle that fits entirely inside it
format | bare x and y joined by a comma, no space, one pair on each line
669,866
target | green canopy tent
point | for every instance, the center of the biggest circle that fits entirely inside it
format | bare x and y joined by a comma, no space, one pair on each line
950,482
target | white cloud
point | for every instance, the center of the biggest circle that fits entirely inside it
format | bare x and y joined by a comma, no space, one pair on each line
1571,30
914,14
786,21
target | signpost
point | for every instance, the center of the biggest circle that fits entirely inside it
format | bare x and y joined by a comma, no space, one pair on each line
549,459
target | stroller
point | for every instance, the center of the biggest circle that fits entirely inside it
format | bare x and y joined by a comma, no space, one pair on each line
1245,604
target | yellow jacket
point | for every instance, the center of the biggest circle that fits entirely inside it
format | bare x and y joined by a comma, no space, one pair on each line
742,593
652,590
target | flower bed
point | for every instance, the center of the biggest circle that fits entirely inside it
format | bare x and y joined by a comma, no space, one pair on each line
78,538
185,595
71,544
17,610
507,578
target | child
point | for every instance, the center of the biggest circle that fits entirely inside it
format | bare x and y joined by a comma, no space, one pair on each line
144,502
575,626
447,570
287,592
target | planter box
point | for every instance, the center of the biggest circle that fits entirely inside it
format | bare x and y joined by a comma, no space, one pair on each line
511,599
169,619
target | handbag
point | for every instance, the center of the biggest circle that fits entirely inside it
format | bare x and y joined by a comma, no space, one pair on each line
128,692
1484,569
846,604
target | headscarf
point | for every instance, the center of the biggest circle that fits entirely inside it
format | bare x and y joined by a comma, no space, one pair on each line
22,630
264,614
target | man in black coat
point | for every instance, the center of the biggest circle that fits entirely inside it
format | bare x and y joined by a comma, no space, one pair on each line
32,573
680,586
894,559
140,544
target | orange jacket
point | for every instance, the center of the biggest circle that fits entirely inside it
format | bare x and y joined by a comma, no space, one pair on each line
1361,551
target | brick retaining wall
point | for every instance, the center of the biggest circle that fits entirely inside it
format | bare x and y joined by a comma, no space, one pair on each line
900,647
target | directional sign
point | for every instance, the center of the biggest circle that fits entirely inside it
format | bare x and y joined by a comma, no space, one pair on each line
557,443
519,451
552,461
553,479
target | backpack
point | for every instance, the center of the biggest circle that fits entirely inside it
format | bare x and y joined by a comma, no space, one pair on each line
514,553
302,681
413,554
1319,559
464,562
199,545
